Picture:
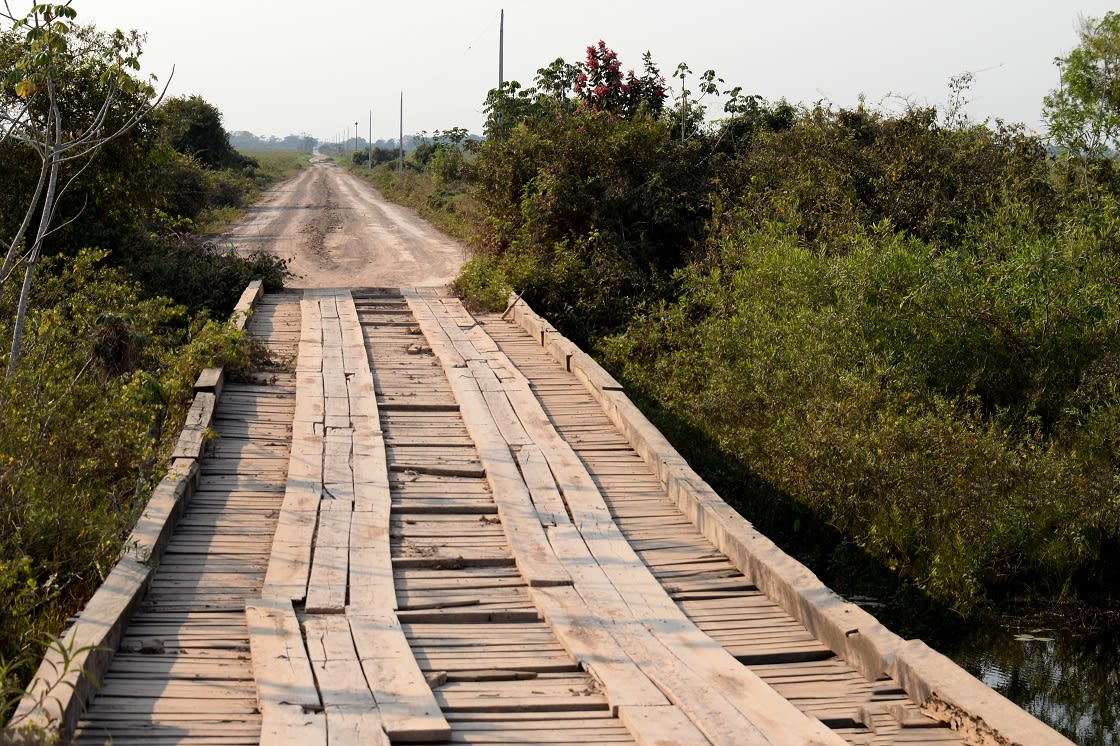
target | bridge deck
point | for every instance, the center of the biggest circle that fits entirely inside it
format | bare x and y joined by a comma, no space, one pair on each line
428,530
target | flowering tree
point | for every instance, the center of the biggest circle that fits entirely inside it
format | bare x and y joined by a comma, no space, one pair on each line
601,86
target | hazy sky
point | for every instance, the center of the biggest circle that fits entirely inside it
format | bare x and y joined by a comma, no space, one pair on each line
280,67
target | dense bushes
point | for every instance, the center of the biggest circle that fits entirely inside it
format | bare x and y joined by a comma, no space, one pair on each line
96,402
832,172
901,327
114,337
907,396
583,212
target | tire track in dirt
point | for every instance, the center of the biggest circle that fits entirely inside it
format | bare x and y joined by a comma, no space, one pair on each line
337,231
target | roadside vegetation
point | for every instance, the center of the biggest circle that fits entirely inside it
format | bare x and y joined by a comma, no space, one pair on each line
434,180
888,338
127,303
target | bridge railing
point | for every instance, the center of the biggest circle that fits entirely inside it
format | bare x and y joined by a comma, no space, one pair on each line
938,685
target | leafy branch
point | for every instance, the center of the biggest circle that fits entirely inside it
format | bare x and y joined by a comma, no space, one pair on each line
40,108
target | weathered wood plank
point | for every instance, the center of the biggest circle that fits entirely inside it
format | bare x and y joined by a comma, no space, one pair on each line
352,715
289,702
327,583
619,587
408,708
520,522
281,667
371,562
195,434
289,565
287,724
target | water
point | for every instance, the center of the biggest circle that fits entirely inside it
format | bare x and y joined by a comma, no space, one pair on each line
1070,681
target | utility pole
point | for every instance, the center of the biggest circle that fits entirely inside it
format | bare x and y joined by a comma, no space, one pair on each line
400,143
369,145
684,106
501,63
355,138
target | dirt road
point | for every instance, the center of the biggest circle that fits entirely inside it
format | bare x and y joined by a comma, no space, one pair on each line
336,231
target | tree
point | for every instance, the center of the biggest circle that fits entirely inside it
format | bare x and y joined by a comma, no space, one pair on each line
595,85
193,126
43,110
1083,113
601,86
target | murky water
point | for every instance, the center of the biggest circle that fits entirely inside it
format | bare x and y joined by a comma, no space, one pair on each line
1071,682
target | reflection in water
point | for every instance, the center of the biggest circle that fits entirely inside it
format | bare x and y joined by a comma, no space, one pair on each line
1071,683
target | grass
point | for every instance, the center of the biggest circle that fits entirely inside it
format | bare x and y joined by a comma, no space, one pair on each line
450,207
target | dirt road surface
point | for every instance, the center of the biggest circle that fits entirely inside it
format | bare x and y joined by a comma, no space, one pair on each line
336,231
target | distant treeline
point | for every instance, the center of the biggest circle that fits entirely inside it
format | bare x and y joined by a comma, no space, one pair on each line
245,140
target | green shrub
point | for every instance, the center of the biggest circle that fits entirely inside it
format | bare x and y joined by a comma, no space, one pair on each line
85,422
197,273
836,172
906,397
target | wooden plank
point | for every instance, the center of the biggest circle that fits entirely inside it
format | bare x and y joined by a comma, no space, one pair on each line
452,331
286,693
289,564
309,396
211,381
338,469
281,666
336,395
352,715
153,531
371,563
195,434
660,725
327,584
589,643
620,588
520,522
408,708
283,725
566,611
244,306
646,600
354,356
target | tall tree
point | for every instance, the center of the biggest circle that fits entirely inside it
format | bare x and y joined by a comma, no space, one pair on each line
46,108
1083,113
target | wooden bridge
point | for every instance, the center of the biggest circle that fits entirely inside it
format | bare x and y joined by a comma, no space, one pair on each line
430,527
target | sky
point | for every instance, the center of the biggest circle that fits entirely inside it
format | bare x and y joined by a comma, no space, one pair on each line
275,67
